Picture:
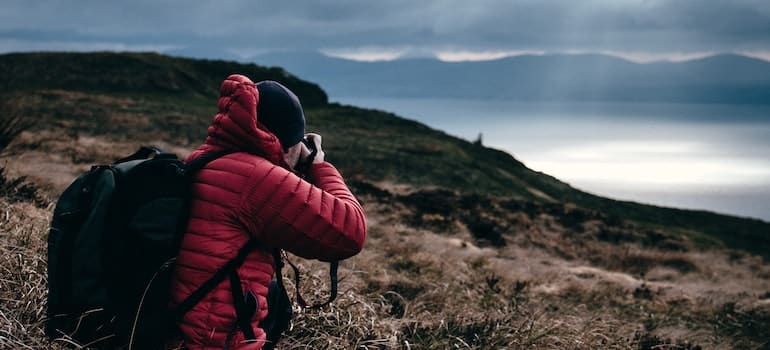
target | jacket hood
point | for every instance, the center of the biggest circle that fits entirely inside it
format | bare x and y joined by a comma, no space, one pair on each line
236,126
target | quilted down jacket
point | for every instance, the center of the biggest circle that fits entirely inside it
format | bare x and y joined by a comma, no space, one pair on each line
253,193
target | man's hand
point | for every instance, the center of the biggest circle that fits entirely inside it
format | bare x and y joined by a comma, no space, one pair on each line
305,153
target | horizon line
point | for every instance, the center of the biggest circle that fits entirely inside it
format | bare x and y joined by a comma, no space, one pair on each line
451,57
485,56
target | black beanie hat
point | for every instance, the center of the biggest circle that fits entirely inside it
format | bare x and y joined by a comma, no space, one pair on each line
280,111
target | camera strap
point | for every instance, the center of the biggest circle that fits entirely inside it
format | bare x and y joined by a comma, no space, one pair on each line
280,256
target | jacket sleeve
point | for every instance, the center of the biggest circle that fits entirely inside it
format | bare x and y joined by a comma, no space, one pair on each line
319,220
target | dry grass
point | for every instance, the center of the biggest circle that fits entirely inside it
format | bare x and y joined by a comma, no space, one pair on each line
13,121
23,283
431,278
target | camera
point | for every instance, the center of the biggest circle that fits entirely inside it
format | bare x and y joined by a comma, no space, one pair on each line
309,144
303,166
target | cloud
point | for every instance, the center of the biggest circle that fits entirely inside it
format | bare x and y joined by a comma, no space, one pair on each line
645,26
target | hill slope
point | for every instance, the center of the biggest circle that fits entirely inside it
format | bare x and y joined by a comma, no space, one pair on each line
137,74
173,99
467,247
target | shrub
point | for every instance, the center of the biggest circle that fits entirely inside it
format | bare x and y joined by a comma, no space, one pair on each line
12,121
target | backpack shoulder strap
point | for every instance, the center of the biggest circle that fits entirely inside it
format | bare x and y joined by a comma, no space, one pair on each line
198,163
212,282
245,306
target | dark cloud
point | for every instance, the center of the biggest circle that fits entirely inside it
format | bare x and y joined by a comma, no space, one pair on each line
632,25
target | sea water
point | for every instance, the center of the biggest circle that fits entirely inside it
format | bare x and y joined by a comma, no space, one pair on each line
694,156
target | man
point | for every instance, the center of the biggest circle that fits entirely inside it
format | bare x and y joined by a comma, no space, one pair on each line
256,192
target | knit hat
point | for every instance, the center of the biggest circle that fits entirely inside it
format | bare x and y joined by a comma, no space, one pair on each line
280,111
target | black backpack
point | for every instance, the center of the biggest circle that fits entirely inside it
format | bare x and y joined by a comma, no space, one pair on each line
114,236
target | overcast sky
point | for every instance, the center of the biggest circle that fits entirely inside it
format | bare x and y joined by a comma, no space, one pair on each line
452,29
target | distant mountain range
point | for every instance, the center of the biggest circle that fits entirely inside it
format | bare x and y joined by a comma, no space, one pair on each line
727,78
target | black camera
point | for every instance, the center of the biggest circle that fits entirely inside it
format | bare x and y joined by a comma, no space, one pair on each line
303,166
309,144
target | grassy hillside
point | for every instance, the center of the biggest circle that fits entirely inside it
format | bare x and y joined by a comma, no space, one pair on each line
173,97
137,74
468,248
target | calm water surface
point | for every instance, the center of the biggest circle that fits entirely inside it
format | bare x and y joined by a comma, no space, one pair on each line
713,157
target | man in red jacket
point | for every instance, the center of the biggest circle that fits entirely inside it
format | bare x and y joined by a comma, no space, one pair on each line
256,192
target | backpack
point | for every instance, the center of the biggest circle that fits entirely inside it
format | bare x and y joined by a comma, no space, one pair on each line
114,236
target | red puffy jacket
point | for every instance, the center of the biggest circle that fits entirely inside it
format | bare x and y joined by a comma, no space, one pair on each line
252,193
